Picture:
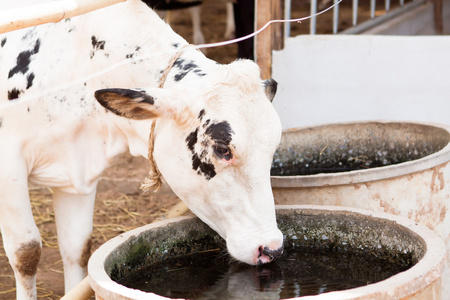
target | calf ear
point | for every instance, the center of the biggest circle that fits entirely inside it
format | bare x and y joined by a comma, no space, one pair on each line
270,88
132,104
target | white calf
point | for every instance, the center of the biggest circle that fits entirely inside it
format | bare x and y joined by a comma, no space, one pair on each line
215,134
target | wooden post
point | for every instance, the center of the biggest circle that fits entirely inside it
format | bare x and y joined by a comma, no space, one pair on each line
272,37
438,17
278,28
54,11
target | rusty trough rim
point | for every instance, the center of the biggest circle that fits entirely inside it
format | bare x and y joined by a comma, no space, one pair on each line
359,176
425,273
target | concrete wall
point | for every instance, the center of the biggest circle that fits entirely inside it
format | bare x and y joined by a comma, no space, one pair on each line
327,79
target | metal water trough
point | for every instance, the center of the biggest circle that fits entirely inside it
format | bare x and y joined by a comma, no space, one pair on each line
402,168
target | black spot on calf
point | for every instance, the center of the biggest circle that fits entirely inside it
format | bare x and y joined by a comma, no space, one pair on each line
3,42
191,140
201,114
30,79
205,168
13,94
200,162
23,60
220,132
185,68
22,63
206,123
96,45
37,45
131,54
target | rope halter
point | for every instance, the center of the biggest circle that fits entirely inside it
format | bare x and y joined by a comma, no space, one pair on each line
153,182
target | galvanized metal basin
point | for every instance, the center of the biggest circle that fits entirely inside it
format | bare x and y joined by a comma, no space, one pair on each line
414,181
343,227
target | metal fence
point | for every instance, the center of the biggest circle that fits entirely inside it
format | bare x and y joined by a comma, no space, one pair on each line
374,13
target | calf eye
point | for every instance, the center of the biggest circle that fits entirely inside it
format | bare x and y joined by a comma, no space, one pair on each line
222,150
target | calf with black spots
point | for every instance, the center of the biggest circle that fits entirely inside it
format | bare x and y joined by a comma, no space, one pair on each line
215,135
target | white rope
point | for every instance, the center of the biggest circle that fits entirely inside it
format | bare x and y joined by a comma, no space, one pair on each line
135,60
237,40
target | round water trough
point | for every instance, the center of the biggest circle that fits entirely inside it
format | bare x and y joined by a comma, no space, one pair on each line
402,168
313,227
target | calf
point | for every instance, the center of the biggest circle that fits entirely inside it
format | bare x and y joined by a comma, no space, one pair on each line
215,135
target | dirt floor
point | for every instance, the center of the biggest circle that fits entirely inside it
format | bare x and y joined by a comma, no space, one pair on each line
120,205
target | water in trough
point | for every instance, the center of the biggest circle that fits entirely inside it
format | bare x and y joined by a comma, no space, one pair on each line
324,252
302,272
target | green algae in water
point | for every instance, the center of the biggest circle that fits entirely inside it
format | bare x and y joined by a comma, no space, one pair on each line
299,272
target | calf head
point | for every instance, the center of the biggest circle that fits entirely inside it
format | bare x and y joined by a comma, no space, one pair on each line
214,146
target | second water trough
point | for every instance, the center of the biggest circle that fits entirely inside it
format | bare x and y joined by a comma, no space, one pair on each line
402,168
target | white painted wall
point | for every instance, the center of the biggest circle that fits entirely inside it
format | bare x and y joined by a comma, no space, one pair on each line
327,79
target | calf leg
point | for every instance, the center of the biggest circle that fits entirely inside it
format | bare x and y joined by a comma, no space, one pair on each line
230,27
74,219
21,238
198,37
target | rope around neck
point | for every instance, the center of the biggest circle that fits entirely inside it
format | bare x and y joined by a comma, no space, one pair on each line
153,182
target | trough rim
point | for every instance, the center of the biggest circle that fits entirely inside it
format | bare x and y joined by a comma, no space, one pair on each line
360,176
425,273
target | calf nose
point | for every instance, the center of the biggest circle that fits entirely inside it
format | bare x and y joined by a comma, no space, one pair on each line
267,255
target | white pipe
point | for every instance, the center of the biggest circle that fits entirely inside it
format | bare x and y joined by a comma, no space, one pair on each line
52,11
372,8
387,5
313,11
287,16
336,17
355,12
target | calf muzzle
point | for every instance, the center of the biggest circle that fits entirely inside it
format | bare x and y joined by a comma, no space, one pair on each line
267,255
